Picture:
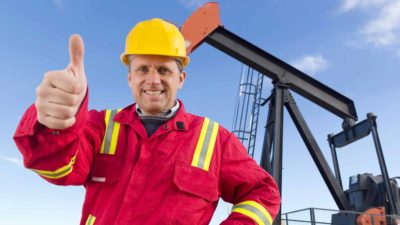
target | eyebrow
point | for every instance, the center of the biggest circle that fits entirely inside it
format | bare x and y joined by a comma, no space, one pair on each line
157,66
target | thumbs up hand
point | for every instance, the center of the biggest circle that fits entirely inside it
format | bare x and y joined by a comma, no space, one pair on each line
61,92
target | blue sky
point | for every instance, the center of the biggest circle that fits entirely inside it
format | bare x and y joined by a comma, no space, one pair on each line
353,46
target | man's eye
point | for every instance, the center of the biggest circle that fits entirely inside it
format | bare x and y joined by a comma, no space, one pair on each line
143,69
163,70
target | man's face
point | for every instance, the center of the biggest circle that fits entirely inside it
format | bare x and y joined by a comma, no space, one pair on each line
154,81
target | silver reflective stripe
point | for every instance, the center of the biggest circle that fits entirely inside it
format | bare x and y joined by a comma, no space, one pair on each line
99,179
206,144
109,132
253,210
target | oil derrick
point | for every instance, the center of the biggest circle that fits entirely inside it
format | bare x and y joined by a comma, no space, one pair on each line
205,26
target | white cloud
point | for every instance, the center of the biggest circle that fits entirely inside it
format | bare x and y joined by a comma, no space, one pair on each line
13,160
192,4
348,5
311,64
384,30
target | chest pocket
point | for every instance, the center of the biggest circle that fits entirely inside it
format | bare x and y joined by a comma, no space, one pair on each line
196,179
196,182
107,166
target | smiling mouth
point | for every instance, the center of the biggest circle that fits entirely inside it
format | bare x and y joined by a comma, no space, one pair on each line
159,92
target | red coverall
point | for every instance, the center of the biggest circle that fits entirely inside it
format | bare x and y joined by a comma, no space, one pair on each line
149,180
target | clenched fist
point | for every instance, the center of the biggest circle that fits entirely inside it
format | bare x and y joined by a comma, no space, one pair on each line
61,92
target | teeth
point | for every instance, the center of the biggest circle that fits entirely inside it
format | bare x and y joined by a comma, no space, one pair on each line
153,92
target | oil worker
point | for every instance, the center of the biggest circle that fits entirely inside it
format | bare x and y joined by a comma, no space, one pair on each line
150,162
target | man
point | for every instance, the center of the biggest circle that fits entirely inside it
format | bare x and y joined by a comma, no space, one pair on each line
151,162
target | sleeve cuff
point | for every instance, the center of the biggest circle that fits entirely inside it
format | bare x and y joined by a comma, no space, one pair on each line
255,211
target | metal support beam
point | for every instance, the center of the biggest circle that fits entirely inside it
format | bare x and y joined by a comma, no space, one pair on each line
312,216
282,72
389,190
351,134
278,135
335,160
346,137
316,154
277,141
268,136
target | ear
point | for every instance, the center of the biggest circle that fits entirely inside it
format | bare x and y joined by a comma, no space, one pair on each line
129,79
182,78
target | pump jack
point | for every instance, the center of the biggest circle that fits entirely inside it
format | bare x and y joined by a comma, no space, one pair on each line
367,194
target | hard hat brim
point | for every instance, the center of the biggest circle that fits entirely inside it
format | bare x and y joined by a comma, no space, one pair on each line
185,60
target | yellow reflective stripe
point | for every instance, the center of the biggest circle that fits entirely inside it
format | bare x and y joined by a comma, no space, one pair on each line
106,118
210,149
249,214
90,220
111,132
205,145
61,172
255,211
114,137
263,210
200,142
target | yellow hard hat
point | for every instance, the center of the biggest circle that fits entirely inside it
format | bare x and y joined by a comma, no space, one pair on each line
155,37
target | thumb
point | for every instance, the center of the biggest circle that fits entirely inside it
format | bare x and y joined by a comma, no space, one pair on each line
76,52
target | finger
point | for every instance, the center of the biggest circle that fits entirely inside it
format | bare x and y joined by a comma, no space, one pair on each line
76,52
54,123
57,96
64,80
55,110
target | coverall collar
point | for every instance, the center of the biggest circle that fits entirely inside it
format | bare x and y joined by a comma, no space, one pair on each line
165,114
129,116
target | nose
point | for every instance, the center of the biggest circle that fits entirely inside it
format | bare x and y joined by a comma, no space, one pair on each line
153,77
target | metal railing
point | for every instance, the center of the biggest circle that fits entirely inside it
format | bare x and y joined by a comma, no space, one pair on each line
315,216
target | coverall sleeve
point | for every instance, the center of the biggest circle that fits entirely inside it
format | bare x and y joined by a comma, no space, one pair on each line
62,157
252,191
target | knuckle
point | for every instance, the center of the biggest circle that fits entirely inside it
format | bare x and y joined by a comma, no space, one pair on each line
40,91
41,118
40,107
67,113
74,100
67,100
55,125
44,120
58,113
63,124
66,123
76,87
48,76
